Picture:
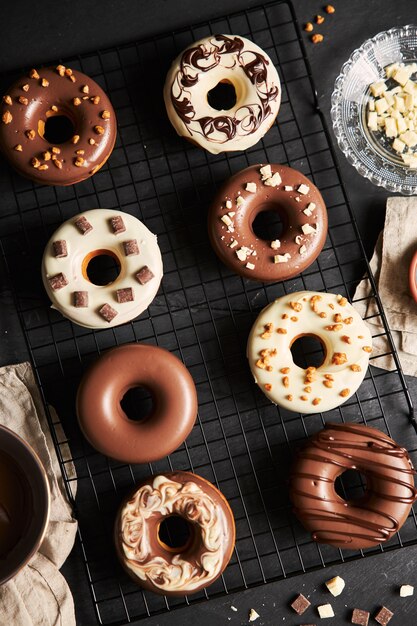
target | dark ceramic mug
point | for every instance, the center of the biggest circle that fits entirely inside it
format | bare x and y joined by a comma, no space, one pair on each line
24,503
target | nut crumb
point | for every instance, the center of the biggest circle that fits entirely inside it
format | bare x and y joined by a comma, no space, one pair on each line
105,115
253,615
76,101
319,19
289,397
7,117
23,100
355,368
75,139
18,147
99,130
367,348
329,8
30,134
345,392
308,27
44,82
33,74
317,38
85,89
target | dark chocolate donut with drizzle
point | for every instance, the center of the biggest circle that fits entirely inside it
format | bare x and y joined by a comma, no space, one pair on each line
57,126
389,492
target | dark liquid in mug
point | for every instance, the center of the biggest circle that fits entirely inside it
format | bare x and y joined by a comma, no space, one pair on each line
13,506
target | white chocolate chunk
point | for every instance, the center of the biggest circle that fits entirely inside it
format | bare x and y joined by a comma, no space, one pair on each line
251,187
391,127
371,104
308,229
273,181
302,250
282,258
399,103
410,87
253,615
239,201
410,161
250,266
233,243
401,125
398,145
298,239
381,105
406,590
304,189
226,220
228,204
372,120
401,76
335,585
288,188
241,254
391,69
378,88
275,244
409,138
265,172
325,610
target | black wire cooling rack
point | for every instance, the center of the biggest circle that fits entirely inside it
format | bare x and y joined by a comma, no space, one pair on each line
202,313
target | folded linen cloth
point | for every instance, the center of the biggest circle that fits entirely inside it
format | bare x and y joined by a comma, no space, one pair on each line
390,262
38,595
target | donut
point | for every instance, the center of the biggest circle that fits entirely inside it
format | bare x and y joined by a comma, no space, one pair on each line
252,191
101,232
105,424
345,339
213,61
389,492
152,563
57,127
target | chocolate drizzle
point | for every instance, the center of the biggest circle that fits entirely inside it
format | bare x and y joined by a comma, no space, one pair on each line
388,497
229,52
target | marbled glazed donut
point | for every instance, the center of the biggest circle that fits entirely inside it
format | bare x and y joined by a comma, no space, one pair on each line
263,188
344,336
95,233
105,424
79,104
199,69
175,571
389,492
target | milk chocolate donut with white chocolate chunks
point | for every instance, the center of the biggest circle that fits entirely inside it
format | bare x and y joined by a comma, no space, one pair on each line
175,571
261,188
57,126
389,492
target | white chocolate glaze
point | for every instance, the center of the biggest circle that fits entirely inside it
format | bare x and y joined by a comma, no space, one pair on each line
198,69
346,340
102,237
162,498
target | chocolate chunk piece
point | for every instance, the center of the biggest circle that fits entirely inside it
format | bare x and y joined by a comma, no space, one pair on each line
81,299
131,247
359,617
125,295
383,616
144,275
58,281
300,604
83,225
60,248
108,312
118,225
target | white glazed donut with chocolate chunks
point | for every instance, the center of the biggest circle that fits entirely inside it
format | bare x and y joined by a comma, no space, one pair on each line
95,233
345,338
202,67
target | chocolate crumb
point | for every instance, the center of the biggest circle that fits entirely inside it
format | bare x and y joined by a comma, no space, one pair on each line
300,604
125,295
118,225
131,247
383,616
58,281
359,617
83,225
144,275
107,312
81,299
60,248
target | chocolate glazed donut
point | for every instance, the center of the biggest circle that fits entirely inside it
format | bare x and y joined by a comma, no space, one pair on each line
389,492
105,424
268,188
185,569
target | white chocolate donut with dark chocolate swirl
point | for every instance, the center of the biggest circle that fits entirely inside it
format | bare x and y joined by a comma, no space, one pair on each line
162,568
204,65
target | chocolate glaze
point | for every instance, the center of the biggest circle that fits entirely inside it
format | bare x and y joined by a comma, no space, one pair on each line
104,422
167,570
267,198
389,494
87,119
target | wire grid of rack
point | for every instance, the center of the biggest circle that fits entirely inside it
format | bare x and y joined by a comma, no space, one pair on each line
202,313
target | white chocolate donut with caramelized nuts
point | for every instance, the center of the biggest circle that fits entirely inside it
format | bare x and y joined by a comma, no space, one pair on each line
345,338
102,232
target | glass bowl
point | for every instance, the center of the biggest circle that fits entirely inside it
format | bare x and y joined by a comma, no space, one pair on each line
370,152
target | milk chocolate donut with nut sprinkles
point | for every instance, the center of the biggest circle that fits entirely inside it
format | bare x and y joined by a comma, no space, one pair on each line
389,492
261,188
57,126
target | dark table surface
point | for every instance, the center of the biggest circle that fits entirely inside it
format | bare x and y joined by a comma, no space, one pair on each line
31,33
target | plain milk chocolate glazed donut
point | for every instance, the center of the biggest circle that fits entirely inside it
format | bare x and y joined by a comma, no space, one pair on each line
389,492
105,424
159,567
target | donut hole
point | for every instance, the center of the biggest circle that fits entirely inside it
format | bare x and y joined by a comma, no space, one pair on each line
223,96
308,351
57,129
351,485
137,404
269,222
101,267
175,534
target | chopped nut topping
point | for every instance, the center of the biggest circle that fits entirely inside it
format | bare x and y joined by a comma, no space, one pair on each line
331,306
46,155
296,306
319,19
328,383
7,100
316,401
54,108
33,74
23,100
286,381
367,348
311,369
95,99
58,163
294,318
304,398
30,134
348,320
99,130
68,71
317,38
35,162
43,167
342,300
85,89
285,370
329,376
91,141
78,161
355,368
7,117
60,69
284,316
105,115
345,392
268,387
281,331
329,8
80,152
334,327
323,314
261,364
56,150
18,147
44,82
346,339
307,389
76,101
339,358
75,139
308,27
289,397
337,317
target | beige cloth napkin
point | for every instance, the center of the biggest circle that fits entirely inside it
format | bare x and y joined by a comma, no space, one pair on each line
39,595
390,262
